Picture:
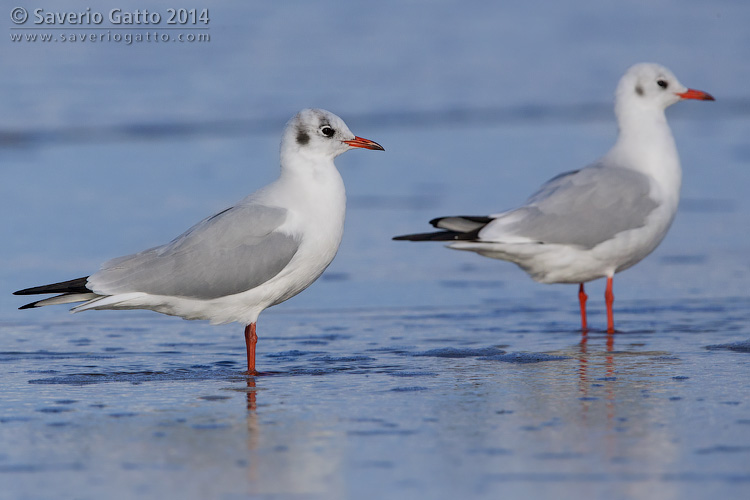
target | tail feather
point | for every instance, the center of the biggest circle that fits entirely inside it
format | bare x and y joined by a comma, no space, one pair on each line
461,223
108,301
66,298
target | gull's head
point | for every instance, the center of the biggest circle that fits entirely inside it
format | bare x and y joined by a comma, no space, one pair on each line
652,86
319,133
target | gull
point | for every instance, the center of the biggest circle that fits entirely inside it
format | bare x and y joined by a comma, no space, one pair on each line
602,219
231,266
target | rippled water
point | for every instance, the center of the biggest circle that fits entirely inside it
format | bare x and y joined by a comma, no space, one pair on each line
400,402
406,371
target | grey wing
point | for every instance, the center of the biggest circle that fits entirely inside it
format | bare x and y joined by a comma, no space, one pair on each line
230,252
585,208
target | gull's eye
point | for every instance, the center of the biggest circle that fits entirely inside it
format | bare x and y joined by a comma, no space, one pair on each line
327,131
662,83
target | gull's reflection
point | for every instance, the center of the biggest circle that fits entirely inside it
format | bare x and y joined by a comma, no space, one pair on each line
252,404
609,370
253,430
253,425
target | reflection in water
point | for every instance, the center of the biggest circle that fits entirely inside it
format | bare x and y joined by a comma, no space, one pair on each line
253,431
251,402
608,379
287,455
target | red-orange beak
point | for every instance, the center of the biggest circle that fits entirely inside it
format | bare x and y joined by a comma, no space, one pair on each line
696,94
359,142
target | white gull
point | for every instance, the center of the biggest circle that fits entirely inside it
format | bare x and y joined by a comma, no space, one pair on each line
258,253
602,219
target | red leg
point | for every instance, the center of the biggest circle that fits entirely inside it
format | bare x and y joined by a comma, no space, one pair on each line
582,298
609,298
250,340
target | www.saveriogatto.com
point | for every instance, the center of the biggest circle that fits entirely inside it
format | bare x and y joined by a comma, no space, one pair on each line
116,25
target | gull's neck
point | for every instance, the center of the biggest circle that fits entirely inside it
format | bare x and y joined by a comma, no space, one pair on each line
645,144
297,166
311,184
312,189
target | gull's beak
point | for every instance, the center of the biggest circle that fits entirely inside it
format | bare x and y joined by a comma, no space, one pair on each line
696,94
359,142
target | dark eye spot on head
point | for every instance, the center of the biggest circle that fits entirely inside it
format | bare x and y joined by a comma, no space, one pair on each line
662,83
302,137
327,131
639,90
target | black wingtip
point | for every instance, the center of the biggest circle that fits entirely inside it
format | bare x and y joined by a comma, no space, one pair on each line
28,306
436,236
77,285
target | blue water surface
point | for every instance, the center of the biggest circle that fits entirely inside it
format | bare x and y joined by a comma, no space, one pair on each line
406,371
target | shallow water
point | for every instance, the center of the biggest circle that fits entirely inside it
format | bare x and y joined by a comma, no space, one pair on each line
406,371
399,402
